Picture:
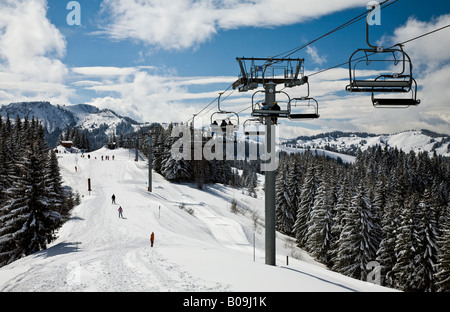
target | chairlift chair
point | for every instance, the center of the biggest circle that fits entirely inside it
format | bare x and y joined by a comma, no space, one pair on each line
220,115
253,127
393,60
397,102
309,106
259,109
397,82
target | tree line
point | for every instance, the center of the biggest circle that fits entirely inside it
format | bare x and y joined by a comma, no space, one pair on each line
33,201
388,206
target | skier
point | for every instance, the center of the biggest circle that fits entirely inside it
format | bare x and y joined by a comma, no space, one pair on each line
275,107
113,197
152,238
120,212
223,126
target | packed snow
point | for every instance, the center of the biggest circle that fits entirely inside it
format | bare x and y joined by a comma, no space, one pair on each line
203,247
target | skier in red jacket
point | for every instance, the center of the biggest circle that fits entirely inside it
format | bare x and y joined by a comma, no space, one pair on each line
152,238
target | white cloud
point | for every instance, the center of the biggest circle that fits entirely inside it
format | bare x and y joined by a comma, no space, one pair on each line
181,24
31,49
104,71
314,54
146,93
430,50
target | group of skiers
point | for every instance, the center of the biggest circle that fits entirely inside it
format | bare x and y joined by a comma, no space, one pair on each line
107,157
113,200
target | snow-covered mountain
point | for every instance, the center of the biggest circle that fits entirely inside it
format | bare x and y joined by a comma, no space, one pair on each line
56,118
348,142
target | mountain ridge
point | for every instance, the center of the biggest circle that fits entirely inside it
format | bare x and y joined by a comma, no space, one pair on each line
57,118
349,142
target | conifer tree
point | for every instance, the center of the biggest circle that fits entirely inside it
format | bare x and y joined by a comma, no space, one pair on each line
305,205
426,256
405,251
321,221
341,208
284,217
359,238
28,212
443,267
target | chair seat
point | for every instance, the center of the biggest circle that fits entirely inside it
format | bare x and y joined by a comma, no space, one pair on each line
381,83
304,116
394,102
270,113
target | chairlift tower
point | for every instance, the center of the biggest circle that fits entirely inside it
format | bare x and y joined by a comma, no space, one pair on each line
269,73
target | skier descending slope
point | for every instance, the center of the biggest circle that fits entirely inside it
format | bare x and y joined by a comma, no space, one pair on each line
120,212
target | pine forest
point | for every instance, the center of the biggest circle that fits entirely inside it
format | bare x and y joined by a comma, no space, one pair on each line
388,206
33,201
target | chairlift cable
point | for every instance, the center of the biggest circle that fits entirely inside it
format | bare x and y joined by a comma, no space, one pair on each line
402,43
346,24
215,99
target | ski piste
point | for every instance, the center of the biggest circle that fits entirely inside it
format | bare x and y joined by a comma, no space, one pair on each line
211,249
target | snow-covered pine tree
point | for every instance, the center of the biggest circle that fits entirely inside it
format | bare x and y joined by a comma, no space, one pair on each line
176,169
426,237
443,267
405,251
27,214
54,189
390,222
284,217
309,190
294,181
321,221
359,238
3,156
341,207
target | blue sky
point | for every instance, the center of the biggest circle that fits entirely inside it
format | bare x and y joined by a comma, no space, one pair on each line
157,60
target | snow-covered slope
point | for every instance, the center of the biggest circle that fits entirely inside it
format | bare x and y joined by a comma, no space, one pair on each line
413,140
209,250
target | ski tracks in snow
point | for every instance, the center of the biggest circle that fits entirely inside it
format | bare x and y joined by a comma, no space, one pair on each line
159,274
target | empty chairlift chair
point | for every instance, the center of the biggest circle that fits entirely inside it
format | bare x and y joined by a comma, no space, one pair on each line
395,66
305,107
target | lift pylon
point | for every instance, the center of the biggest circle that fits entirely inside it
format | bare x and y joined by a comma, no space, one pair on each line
269,73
